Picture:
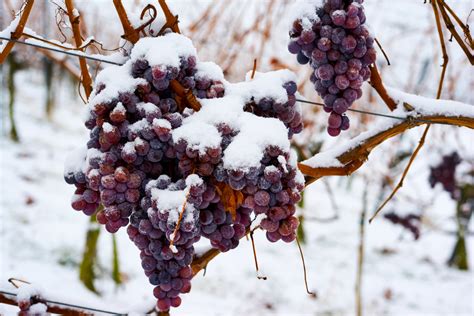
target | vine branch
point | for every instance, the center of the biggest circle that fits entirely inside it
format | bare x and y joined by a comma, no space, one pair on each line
18,30
76,30
377,84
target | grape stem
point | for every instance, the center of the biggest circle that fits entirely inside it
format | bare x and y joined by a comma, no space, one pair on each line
427,128
76,31
255,253
377,84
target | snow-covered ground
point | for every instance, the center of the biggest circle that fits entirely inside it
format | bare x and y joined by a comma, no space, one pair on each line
42,238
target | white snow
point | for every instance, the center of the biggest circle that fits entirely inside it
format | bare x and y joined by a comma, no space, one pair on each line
107,127
198,135
75,161
139,125
147,107
256,134
265,85
430,106
306,11
422,106
209,70
27,291
117,79
161,123
163,50
38,309
173,201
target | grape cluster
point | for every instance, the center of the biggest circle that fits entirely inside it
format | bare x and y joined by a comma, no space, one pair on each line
338,46
445,173
287,112
145,171
410,222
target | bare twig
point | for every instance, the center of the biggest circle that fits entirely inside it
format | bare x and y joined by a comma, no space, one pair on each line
383,51
427,128
360,258
255,256
355,157
304,269
377,84
18,31
451,28
76,30
130,34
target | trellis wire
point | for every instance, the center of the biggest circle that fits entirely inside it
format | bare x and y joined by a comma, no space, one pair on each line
83,55
69,305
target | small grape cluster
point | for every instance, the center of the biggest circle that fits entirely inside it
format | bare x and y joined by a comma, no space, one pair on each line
286,112
338,46
410,222
148,171
445,173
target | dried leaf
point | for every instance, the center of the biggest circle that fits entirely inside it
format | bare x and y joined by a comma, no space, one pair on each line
231,199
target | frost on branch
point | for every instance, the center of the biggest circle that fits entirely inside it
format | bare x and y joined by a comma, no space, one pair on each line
412,110
174,175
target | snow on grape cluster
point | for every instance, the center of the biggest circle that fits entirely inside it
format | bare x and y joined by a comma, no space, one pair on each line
333,39
169,174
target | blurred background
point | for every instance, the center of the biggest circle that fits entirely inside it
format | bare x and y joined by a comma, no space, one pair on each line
423,267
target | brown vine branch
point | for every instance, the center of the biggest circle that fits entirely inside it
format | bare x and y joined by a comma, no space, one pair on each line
464,27
355,157
377,84
76,31
423,137
18,30
405,172
304,268
171,20
255,256
51,308
452,29
130,34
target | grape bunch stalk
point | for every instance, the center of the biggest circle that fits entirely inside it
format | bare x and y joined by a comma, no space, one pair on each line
336,43
169,174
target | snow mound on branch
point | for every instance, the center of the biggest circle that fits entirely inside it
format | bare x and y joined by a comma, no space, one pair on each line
26,292
429,106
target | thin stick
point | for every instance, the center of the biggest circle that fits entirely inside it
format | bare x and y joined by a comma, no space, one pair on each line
18,31
443,47
360,258
76,30
304,269
254,68
438,95
14,280
53,306
405,172
452,29
383,51
463,26
180,218
377,84
130,34
255,255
